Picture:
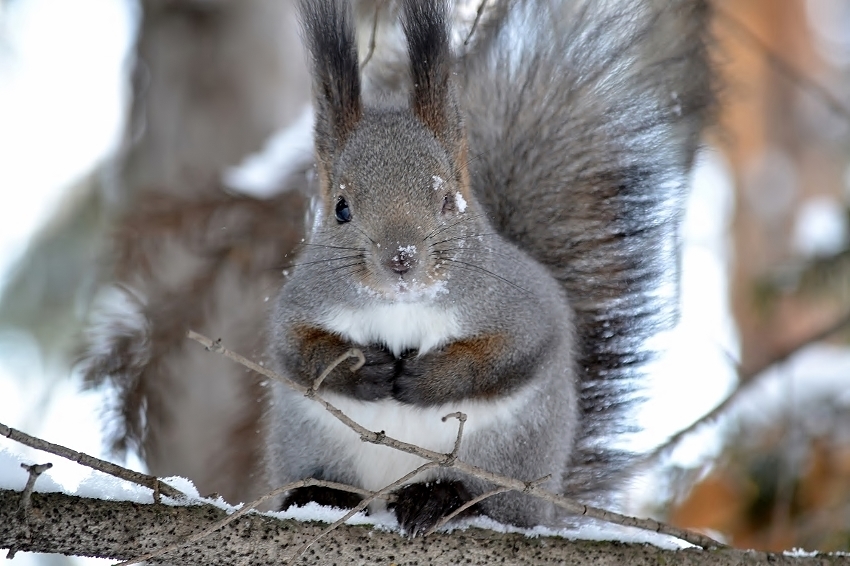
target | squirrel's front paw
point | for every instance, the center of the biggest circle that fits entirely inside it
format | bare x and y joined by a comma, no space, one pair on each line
420,506
409,387
374,380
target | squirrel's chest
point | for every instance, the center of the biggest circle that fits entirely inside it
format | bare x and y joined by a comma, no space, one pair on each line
398,326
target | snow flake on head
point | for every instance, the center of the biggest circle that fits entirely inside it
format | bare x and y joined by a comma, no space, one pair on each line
460,202
407,250
437,182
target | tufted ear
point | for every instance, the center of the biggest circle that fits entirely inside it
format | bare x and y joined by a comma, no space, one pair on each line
426,26
329,37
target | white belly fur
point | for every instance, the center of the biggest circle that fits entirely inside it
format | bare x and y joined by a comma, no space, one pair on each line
378,466
399,326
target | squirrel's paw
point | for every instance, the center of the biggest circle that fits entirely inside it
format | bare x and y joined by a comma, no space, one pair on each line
374,380
409,386
420,506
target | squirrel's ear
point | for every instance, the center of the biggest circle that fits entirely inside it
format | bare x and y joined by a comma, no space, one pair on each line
329,36
426,26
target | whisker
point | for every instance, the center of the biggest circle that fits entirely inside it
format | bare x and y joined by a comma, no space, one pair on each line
338,267
473,267
332,247
365,234
487,250
323,260
466,237
460,220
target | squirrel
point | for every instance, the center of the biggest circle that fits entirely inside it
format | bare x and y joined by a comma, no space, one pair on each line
494,243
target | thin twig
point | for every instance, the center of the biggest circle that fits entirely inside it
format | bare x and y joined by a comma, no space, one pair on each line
372,38
474,501
785,68
361,506
34,471
245,509
352,353
366,435
746,381
475,22
570,505
479,499
452,456
144,480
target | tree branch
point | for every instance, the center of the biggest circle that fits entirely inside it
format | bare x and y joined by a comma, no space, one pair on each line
64,524
152,482
247,508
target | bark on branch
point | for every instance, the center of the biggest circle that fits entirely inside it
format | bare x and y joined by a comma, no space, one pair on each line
120,530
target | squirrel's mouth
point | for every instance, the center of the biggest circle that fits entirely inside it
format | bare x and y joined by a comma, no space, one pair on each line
408,289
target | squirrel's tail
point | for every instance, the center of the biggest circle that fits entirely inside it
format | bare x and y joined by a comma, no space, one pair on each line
583,120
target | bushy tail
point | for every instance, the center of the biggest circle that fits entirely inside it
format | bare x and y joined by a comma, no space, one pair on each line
584,117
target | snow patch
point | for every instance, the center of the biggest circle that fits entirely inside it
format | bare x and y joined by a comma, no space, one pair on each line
13,476
94,485
589,530
800,553
312,511
460,202
821,227
262,174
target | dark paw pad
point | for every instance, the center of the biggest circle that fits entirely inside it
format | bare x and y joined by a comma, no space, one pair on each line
420,506
321,495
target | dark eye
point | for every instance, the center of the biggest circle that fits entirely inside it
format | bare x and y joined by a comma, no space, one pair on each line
448,204
343,212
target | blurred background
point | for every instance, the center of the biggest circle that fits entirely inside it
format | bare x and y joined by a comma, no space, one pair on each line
107,105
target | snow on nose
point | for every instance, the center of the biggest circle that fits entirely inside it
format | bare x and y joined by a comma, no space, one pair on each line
403,259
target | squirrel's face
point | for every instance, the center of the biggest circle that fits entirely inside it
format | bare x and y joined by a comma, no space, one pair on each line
395,210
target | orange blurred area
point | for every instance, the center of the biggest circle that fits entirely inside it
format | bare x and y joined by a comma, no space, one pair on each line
784,127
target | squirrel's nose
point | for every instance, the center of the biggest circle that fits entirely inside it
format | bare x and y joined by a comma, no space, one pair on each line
403,259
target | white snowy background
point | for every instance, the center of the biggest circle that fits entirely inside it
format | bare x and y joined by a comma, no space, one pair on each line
63,71
63,68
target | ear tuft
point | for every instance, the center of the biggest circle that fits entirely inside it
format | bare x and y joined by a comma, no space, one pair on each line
426,26
329,35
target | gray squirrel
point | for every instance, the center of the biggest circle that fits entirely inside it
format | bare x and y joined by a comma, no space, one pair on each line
494,241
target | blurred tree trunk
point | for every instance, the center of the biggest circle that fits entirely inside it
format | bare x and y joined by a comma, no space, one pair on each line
212,80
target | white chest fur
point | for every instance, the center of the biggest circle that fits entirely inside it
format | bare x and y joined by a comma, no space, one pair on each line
398,326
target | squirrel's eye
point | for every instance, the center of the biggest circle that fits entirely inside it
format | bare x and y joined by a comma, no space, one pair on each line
343,212
448,204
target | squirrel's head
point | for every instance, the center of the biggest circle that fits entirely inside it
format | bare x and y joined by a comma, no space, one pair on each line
395,196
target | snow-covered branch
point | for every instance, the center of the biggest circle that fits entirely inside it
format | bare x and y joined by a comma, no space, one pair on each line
122,530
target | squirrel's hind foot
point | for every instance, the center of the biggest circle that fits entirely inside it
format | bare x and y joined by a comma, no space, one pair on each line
420,506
